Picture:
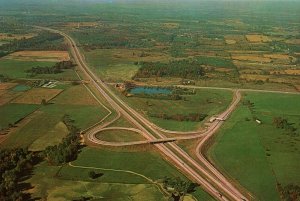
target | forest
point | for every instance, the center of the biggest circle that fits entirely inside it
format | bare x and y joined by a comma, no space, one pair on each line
186,68
43,41
194,117
56,68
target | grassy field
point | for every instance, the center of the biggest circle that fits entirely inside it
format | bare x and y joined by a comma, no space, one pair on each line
16,69
119,136
49,130
205,101
11,113
69,182
273,153
51,183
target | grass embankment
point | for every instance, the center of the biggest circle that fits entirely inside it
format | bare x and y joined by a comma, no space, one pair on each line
119,136
70,182
259,156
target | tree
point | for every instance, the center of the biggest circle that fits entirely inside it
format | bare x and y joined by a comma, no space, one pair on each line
44,102
92,174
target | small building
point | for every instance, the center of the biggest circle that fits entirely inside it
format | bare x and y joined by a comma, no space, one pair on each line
258,121
212,119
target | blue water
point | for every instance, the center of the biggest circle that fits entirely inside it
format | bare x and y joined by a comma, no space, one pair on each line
150,90
21,88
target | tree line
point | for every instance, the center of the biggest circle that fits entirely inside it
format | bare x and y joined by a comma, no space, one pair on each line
187,69
282,123
56,68
193,117
14,163
43,41
178,187
68,149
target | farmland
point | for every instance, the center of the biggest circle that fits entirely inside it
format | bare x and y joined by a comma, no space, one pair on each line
156,57
272,152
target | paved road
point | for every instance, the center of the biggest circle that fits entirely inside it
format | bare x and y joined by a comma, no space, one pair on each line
218,188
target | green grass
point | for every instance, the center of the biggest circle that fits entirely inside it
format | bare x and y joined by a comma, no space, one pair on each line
50,138
109,67
119,136
155,167
19,88
52,186
260,156
44,126
16,69
11,113
205,101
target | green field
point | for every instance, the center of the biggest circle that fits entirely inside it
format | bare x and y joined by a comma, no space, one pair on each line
119,136
16,69
113,184
260,156
11,113
206,101
66,185
109,67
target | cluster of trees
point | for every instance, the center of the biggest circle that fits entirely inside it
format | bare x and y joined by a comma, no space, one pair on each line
291,192
68,149
43,41
57,68
13,164
187,69
194,117
4,78
178,187
183,91
159,96
282,123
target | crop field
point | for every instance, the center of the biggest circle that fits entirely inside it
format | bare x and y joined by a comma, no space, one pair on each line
51,56
115,50
9,37
233,44
16,69
273,152
7,85
11,113
254,38
210,102
36,95
75,95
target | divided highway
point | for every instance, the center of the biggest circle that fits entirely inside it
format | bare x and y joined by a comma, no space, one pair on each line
203,173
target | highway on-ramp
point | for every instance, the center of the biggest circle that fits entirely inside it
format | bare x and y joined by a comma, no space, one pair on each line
209,178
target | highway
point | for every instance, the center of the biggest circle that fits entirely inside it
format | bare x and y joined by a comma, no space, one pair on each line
208,177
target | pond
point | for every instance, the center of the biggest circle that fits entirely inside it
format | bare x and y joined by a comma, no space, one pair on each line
19,88
150,90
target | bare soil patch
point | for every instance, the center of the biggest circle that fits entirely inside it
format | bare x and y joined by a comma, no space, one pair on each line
7,85
251,57
170,25
83,24
54,56
230,42
5,36
257,38
36,95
